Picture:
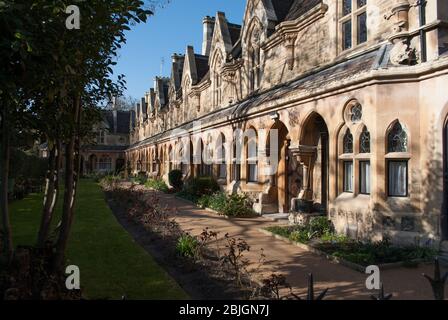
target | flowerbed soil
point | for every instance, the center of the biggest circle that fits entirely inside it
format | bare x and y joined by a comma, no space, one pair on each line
200,282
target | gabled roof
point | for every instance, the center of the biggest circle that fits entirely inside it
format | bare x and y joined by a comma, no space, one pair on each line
300,7
235,32
282,8
201,66
122,121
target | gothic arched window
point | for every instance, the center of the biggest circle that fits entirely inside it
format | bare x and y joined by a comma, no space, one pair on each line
397,139
348,142
364,141
255,60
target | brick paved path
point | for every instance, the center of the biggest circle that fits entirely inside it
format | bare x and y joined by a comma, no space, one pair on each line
295,263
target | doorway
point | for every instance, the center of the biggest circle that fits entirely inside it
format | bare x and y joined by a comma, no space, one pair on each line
314,157
279,193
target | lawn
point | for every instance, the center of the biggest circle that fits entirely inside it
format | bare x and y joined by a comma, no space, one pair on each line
110,262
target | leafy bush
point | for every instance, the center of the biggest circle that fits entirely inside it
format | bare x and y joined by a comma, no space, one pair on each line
175,178
157,184
233,205
110,181
187,246
321,232
197,187
238,205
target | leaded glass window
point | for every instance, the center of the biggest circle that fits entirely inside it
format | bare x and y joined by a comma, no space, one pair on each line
397,140
362,28
348,176
364,143
364,177
347,7
347,34
356,113
348,142
361,3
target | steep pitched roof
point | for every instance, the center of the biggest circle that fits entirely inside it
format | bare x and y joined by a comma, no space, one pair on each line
235,32
201,66
282,8
122,121
300,7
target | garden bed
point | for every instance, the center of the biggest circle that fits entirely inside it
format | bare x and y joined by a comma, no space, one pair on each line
202,276
351,253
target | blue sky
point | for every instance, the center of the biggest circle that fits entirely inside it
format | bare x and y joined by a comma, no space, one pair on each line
169,31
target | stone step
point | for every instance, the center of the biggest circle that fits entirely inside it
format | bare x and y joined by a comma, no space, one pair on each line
277,217
270,208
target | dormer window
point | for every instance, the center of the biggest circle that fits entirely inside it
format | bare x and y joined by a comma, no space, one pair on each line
353,23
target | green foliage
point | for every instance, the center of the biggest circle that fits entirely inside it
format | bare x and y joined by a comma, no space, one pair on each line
323,237
197,187
175,178
157,184
110,181
187,246
233,205
318,227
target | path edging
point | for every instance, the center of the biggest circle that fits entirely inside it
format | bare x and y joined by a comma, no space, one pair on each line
348,264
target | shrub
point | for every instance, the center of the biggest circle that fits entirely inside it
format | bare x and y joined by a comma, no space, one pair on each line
197,187
109,182
321,226
238,205
233,205
175,178
157,184
204,201
187,246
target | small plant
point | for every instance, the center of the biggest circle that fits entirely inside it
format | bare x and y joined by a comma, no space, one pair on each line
109,182
187,246
157,184
175,178
273,285
234,257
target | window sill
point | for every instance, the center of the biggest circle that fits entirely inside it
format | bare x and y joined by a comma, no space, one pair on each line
398,155
346,156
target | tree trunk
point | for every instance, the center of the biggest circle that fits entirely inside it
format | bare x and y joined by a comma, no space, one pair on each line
51,194
4,167
69,192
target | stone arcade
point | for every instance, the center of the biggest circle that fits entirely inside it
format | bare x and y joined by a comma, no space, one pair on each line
357,92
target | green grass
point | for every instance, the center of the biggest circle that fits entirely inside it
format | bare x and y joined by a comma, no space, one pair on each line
111,263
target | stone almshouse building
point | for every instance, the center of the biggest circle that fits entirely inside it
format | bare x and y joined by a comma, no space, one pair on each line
358,93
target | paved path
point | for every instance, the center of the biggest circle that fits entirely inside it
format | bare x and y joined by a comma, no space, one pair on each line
295,263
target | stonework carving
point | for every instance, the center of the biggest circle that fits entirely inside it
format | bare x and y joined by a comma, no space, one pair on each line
290,40
403,54
400,14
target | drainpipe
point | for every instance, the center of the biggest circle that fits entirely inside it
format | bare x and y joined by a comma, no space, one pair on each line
422,14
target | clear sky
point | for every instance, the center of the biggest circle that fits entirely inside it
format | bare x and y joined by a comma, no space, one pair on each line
169,31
